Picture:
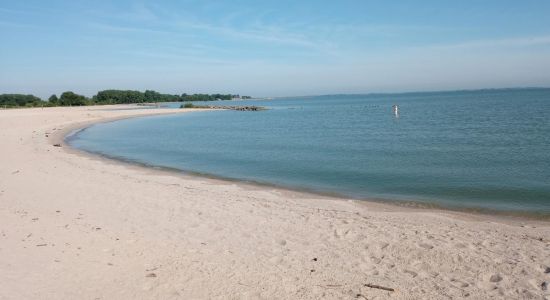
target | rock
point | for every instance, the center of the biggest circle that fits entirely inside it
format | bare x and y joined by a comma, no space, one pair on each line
151,275
57,145
547,270
233,107
544,286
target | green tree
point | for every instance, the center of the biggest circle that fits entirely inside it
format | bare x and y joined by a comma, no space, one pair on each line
119,97
18,100
152,96
53,100
71,99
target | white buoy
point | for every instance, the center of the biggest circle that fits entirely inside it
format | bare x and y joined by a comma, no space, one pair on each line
395,110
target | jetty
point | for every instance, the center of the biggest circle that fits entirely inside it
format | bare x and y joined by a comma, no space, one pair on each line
227,107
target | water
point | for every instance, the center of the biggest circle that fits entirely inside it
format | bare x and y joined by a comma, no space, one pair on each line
473,149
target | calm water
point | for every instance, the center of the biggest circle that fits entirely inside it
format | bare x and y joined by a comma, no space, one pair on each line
483,149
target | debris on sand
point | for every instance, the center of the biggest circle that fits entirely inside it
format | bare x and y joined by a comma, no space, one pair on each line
375,286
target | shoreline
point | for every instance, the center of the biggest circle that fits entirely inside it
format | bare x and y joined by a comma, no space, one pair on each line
78,226
472,213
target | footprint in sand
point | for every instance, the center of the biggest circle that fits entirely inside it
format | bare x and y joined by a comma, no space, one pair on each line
276,260
412,273
458,283
495,278
375,260
460,245
366,267
383,246
490,281
425,246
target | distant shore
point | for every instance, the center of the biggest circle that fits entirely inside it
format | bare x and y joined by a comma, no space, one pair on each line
75,225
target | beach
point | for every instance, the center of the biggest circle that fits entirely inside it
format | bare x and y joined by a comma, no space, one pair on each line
78,226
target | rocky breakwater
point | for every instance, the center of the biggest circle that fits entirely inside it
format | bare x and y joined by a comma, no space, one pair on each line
228,107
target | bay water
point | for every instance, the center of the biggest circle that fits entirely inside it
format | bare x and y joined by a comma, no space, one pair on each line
487,149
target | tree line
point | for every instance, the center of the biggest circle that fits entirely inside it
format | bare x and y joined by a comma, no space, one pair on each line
107,97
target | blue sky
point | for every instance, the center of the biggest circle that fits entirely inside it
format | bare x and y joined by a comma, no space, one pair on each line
272,48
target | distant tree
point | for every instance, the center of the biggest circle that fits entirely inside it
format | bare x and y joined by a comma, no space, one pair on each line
205,97
118,97
152,96
106,97
71,99
53,100
19,100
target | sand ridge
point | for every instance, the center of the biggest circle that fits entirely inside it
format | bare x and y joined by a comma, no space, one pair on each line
77,227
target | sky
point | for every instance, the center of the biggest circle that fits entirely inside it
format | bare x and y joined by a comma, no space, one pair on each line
272,48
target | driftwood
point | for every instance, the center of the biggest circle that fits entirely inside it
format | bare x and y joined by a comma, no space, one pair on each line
375,286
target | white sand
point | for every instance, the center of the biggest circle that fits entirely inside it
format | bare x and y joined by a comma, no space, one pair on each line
77,227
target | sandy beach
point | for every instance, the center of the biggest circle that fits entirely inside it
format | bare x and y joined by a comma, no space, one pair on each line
77,226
